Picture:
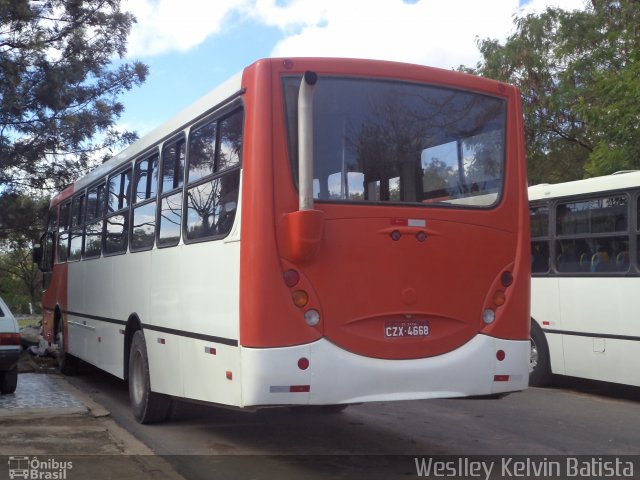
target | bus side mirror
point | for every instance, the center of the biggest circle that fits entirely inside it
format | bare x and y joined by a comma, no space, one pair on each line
304,229
37,255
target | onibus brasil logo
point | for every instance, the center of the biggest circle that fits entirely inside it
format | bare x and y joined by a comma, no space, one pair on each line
35,469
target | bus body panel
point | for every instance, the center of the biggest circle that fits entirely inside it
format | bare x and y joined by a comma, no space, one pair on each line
362,232
589,316
583,313
334,375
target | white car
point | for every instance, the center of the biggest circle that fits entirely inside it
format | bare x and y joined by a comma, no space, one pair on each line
10,349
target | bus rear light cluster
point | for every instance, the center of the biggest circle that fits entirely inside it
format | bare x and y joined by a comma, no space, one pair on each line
501,355
300,297
303,363
498,299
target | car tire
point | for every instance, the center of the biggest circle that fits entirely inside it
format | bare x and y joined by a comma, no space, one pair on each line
9,380
147,406
539,363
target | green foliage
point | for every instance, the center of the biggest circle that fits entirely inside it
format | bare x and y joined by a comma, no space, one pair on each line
22,220
579,73
59,87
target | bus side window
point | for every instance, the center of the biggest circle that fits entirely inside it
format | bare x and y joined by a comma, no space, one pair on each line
117,221
63,232
170,205
143,220
215,151
96,197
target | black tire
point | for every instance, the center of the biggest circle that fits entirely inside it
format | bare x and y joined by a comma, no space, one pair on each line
67,363
9,380
539,364
147,406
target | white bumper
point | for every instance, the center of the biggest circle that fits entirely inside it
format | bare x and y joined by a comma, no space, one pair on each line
272,376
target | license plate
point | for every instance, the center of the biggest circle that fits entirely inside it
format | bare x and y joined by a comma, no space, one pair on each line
406,329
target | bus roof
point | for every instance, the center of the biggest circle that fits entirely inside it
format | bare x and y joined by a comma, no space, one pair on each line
166,130
615,181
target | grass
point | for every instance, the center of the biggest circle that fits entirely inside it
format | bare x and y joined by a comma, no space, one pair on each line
27,321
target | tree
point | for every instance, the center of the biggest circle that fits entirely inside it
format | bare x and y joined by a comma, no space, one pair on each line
59,87
579,73
22,220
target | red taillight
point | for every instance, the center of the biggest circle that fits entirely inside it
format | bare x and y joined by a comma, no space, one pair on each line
501,378
9,339
500,355
303,363
299,388
291,278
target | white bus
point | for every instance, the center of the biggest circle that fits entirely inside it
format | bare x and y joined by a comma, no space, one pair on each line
585,279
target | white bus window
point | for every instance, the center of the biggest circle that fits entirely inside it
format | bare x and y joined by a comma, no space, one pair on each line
93,240
119,191
211,207
230,141
202,151
170,220
116,235
173,158
143,231
146,179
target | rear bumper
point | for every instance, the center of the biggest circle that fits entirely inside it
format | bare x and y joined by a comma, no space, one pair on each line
272,376
9,358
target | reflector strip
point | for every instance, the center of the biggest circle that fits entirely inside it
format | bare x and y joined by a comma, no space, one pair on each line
289,389
414,222
161,341
501,378
299,388
210,350
546,324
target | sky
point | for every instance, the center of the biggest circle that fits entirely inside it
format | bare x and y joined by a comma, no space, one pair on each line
191,46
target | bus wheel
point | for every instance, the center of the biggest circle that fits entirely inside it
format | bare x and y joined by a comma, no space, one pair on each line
9,380
539,370
147,406
67,363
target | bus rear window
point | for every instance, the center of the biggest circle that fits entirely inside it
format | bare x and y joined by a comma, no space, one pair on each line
398,142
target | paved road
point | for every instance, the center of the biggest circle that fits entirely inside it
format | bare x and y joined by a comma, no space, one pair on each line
574,418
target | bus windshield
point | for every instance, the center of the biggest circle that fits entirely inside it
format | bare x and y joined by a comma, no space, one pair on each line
399,142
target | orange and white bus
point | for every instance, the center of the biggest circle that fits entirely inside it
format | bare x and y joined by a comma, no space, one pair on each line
312,232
